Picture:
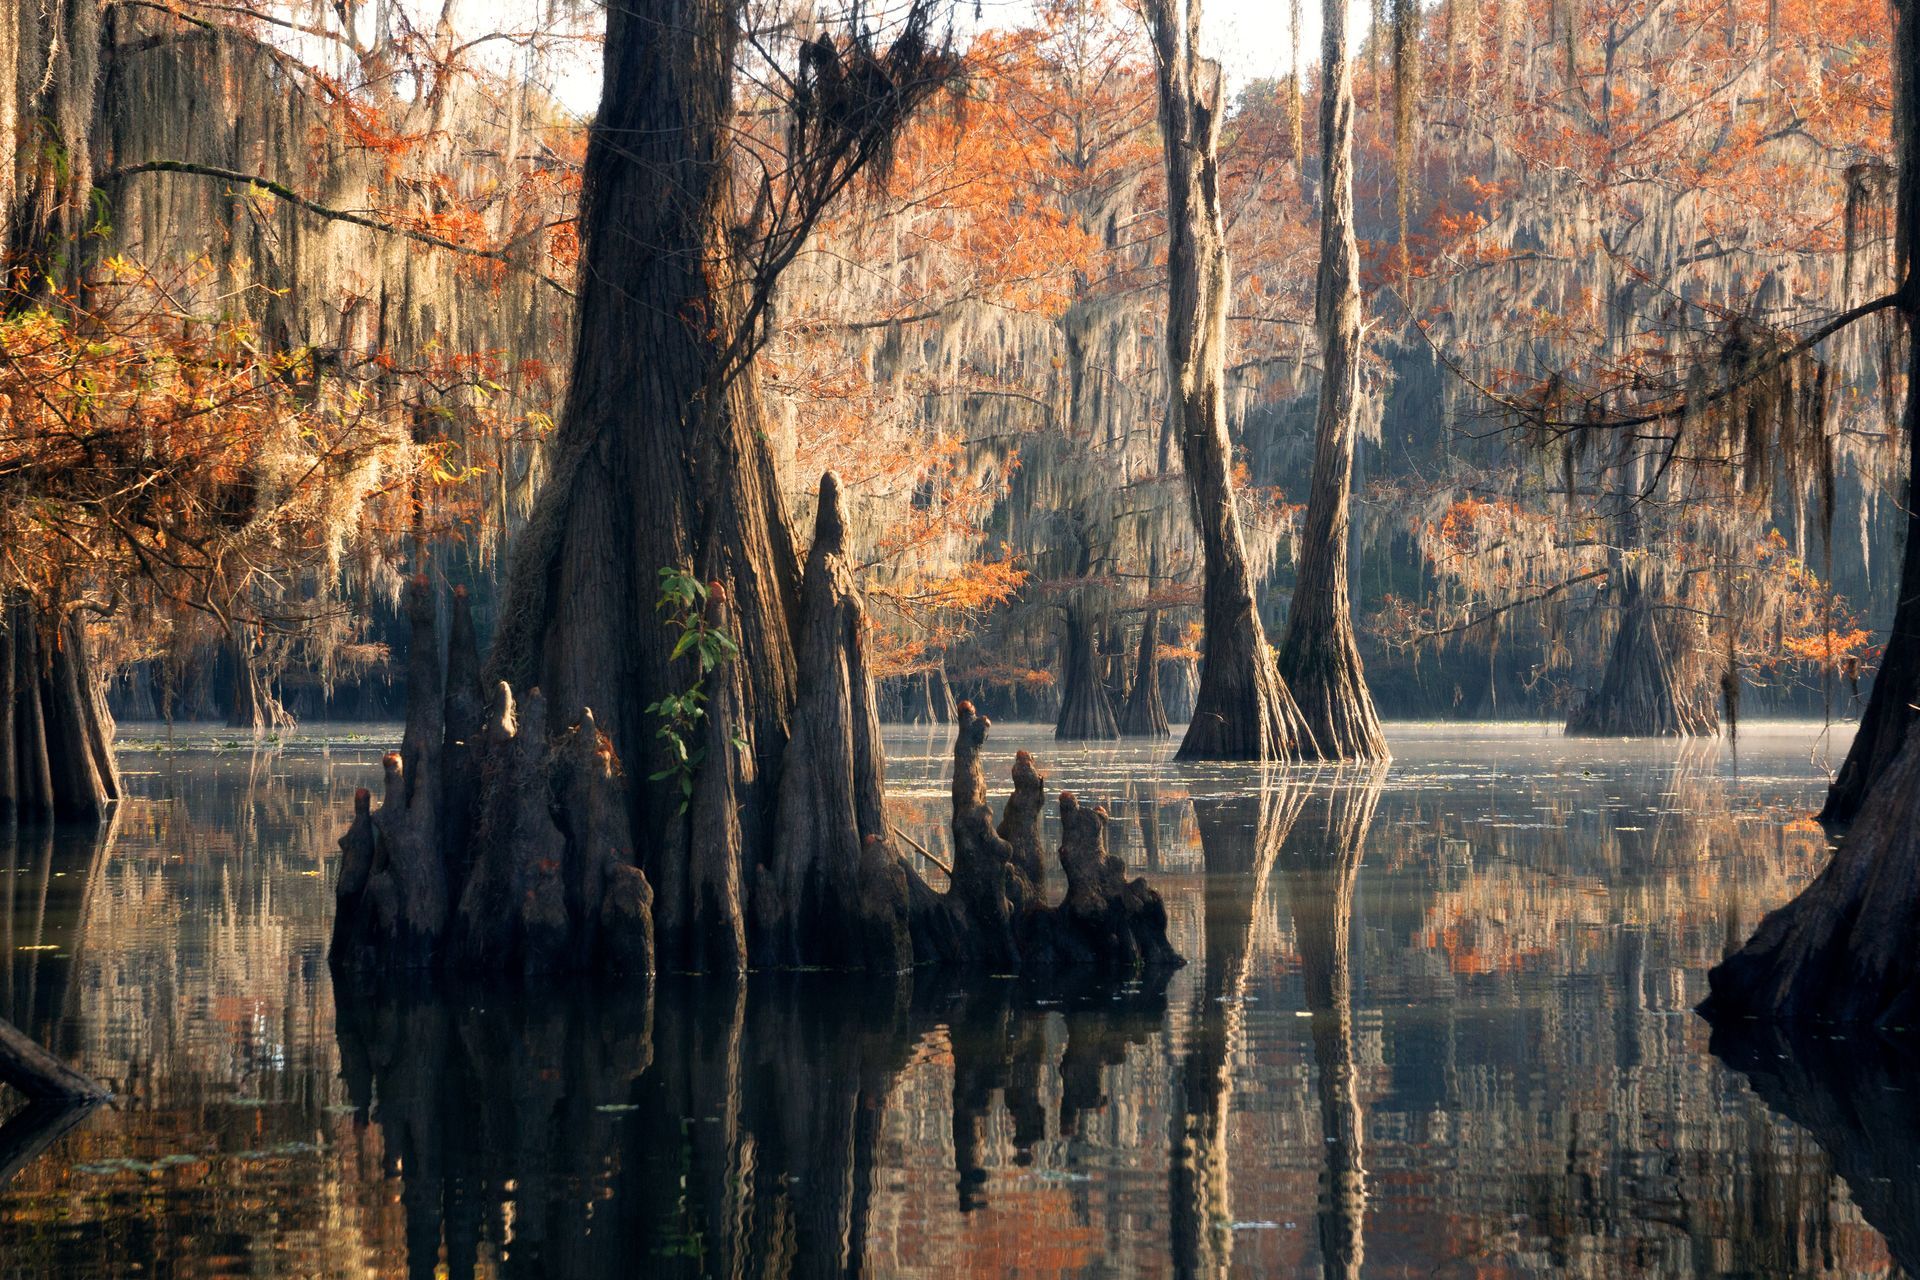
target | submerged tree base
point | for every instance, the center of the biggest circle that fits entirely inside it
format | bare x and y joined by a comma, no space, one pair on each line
1842,951
1642,694
503,847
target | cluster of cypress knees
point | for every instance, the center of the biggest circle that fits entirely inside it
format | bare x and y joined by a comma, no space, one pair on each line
502,847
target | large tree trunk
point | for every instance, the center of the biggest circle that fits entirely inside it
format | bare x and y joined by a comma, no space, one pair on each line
1243,710
1896,688
56,737
1085,710
1643,692
661,457
1319,657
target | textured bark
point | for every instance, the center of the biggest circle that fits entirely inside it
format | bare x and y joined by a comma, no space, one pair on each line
1319,657
836,893
1086,712
686,481
993,914
1243,710
1842,950
1146,712
1641,693
58,737
1889,714
551,885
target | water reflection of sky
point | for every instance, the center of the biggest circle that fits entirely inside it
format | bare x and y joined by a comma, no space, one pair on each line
1437,1022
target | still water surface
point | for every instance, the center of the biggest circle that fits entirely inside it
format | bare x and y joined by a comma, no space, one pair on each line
1436,1022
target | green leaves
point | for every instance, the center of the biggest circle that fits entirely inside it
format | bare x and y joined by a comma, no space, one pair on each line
683,598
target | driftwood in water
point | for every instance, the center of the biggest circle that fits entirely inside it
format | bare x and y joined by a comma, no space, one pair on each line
31,1070
1842,951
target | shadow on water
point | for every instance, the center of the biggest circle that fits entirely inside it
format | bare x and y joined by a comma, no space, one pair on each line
710,1128
1858,1096
1441,1027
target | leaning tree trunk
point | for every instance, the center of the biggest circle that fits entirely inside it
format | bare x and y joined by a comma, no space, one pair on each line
1243,710
1085,710
1146,712
1884,725
1319,657
1842,951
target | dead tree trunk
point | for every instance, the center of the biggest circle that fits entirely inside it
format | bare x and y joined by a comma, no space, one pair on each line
1319,656
1085,710
1243,710
31,1070
1146,713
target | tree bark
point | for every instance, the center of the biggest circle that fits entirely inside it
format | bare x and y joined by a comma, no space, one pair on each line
1146,712
1243,710
1085,710
1319,656
1642,692
1889,714
688,481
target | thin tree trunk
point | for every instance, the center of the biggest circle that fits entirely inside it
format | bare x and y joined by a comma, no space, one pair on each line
1243,710
1319,657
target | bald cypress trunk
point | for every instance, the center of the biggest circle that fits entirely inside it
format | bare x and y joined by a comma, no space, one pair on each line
58,750
1146,712
1243,710
1842,950
1086,712
1319,657
685,482
1884,726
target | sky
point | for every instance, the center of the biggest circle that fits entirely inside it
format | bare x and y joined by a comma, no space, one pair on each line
1250,37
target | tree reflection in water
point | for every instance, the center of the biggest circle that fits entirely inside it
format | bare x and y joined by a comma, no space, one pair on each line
1475,1054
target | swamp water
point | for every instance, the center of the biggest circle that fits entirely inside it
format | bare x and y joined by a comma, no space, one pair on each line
1436,1021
